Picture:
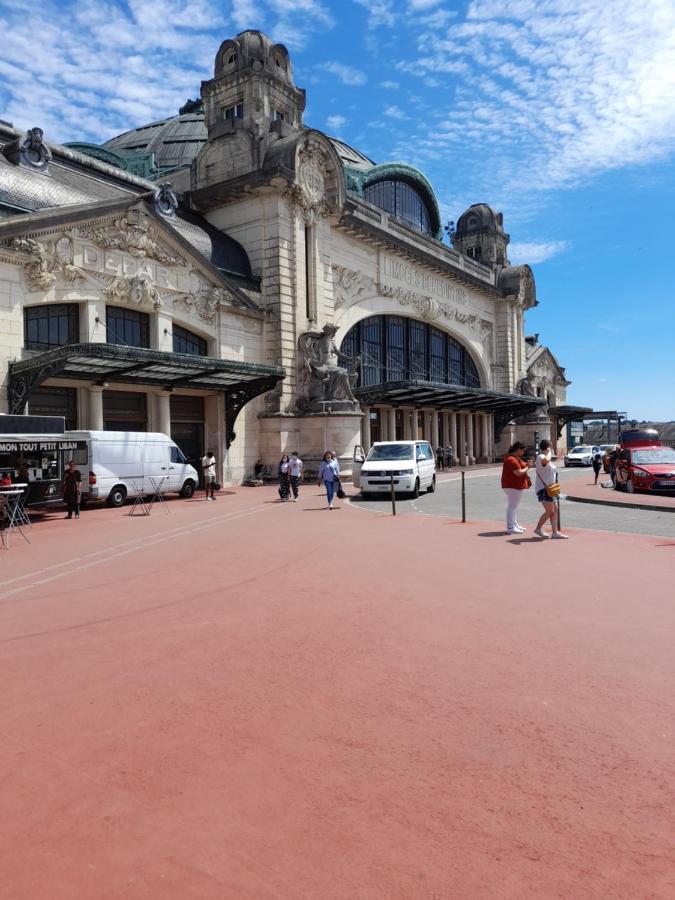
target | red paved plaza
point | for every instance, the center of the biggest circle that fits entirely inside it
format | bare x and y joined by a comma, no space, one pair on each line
248,699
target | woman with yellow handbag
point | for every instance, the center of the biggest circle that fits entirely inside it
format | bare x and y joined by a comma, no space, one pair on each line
548,490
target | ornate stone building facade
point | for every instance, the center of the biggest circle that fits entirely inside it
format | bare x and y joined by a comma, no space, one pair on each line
279,264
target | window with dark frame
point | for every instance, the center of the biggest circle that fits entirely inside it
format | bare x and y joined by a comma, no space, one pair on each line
402,201
396,348
52,325
127,327
185,341
234,112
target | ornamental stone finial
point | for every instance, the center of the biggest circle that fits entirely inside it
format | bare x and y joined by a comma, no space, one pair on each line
30,152
166,202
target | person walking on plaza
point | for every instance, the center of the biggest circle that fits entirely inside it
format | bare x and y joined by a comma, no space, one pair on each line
72,489
440,458
284,476
546,476
449,455
597,465
329,474
295,472
209,470
515,480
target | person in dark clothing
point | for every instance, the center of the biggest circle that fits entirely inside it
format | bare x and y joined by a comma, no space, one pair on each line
72,489
440,458
449,456
596,462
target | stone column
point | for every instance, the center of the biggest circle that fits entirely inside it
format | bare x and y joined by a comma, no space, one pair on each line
391,415
469,439
414,431
407,428
384,423
435,440
453,435
164,412
460,451
95,408
485,440
365,428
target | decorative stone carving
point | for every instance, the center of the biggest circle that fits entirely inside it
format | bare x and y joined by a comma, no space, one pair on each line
165,201
34,153
132,234
426,307
48,261
325,385
349,286
307,195
137,289
204,303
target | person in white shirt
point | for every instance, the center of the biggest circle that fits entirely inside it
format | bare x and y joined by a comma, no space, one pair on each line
209,470
295,473
546,475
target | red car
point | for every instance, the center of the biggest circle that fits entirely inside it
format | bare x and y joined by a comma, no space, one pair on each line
644,464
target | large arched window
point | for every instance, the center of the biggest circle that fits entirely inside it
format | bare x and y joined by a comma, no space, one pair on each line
395,348
401,201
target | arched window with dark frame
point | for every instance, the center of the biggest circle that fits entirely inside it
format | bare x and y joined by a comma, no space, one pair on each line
185,341
51,325
397,348
402,201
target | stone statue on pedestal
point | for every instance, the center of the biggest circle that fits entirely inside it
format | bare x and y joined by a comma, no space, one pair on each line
325,385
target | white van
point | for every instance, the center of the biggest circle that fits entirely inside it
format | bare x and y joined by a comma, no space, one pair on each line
412,463
121,464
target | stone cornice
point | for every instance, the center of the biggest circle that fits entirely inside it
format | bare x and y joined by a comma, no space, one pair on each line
437,258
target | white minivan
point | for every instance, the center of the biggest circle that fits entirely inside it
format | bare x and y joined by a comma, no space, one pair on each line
411,463
123,464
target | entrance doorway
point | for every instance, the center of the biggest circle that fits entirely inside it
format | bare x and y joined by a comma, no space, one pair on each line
187,429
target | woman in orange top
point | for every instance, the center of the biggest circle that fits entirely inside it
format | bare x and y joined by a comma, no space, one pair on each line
514,481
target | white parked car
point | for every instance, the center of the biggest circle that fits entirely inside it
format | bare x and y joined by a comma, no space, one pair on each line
411,463
124,463
581,455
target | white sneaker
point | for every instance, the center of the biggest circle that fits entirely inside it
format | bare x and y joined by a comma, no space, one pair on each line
295,499
540,533
559,536
519,529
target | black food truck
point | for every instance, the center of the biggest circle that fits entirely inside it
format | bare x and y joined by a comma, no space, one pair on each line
35,450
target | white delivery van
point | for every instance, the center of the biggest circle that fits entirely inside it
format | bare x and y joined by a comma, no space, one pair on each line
122,464
412,464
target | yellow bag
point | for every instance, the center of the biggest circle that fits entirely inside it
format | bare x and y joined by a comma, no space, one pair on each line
553,490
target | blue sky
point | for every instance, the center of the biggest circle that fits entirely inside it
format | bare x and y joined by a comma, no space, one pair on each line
560,113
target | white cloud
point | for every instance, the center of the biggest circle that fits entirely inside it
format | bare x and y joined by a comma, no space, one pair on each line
380,12
552,93
394,113
389,85
535,252
347,74
417,5
335,123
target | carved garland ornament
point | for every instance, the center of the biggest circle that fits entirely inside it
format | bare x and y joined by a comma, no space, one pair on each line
307,195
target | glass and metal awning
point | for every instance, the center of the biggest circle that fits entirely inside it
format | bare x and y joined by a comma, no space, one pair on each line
504,407
104,363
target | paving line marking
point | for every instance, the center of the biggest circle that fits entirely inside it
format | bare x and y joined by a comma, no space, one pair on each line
102,556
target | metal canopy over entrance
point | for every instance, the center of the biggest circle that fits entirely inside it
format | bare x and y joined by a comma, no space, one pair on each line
504,407
239,382
567,414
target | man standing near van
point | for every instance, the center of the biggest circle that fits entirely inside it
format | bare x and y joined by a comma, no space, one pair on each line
72,489
209,470
295,471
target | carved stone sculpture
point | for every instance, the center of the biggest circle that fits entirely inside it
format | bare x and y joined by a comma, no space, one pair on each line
166,202
325,385
35,154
